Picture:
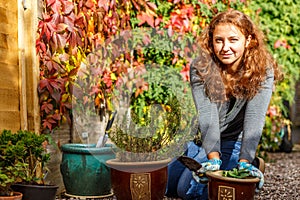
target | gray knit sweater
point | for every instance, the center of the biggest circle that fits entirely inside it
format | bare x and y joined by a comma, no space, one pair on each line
227,120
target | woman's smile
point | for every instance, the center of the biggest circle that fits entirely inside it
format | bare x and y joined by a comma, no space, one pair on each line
229,45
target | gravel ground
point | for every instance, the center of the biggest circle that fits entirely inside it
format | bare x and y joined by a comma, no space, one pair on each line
282,177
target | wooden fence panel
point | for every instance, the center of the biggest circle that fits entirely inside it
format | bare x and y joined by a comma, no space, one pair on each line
9,66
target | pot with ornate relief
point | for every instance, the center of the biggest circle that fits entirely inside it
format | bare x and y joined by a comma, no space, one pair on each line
139,180
221,187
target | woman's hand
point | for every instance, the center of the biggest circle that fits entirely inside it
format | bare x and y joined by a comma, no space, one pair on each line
211,165
253,171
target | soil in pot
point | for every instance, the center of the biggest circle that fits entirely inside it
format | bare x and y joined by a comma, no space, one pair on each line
228,188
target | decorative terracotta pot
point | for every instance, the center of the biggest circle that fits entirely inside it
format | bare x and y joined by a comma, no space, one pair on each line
17,196
139,180
227,188
36,192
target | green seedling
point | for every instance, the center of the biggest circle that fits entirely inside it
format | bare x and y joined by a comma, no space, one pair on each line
236,173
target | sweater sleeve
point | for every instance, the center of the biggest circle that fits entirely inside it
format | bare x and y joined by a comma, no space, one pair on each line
255,119
207,114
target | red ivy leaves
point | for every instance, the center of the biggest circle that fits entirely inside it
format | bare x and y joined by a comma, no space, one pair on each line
51,121
144,17
47,106
55,86
185,73
47,28
180,20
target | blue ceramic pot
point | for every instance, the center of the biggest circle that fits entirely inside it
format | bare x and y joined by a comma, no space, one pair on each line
84,169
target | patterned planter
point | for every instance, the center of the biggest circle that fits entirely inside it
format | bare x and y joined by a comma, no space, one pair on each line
227,188
139,180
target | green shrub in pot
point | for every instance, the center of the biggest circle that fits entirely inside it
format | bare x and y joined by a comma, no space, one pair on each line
23,159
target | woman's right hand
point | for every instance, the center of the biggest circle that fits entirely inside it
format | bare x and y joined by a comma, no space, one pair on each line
211,165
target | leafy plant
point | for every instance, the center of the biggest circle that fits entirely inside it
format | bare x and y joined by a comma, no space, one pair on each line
158,120
69,31
278,20
9,175
236,173
147,136
23,157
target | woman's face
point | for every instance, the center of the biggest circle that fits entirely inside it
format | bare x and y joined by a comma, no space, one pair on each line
229,45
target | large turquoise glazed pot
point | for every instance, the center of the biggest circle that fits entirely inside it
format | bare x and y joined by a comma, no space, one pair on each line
84,169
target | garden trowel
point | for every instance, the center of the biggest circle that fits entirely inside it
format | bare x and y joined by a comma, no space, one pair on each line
190,163
194,166
102,140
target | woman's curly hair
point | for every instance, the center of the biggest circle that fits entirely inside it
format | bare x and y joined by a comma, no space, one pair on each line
253,67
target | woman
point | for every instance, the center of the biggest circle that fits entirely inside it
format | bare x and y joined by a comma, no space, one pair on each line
232,82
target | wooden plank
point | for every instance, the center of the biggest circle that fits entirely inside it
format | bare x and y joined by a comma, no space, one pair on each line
3,41
8,22
9,42
22,35
9,100
9,69
31,70
9,57
10,120
9,75
8,3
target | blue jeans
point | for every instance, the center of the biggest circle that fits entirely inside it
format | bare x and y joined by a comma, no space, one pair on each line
180,181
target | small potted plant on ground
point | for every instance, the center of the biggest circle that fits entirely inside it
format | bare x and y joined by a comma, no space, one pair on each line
26,151
231,184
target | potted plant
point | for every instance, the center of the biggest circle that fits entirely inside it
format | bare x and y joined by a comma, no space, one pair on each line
10,170
84,171
148,131
25,150
225,184
154,111
83,166
8,176
231,184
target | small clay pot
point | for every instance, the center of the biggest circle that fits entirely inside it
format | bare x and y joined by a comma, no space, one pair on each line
221,187
16,196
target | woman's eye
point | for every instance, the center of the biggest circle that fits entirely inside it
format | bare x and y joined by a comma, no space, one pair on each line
218,40
233,39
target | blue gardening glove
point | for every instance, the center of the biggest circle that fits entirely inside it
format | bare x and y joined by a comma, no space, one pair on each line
211,165
253,171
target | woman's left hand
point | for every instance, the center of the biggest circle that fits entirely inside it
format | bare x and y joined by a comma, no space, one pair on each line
253,171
